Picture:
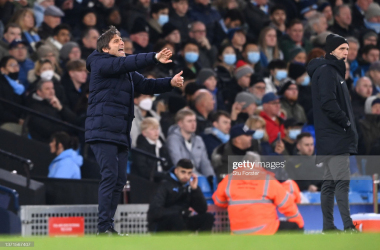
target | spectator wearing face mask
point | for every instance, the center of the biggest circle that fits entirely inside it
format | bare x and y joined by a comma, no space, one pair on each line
289,102
189,57
225,66
238,39
251,55
277,72
159,14
292,129
143,108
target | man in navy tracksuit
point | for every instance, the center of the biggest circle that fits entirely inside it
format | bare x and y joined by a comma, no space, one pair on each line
113,81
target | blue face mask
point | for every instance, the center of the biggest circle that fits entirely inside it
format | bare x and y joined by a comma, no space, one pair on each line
229,59
222,136
258,135
191,57
293,133
374,26
162,19
306,81
253,56
281,75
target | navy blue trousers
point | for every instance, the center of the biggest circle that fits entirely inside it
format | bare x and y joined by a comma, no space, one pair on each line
112,159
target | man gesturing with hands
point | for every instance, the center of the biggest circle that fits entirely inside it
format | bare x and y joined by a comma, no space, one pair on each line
113,81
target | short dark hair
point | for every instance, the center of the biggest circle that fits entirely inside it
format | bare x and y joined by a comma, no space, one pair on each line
65,139
215,117
189,41
4,61
368,48
86,32
234,15
156,7
105,38
11,25
277,64
185,163
277,7
294,22
60,27
75,65
302,135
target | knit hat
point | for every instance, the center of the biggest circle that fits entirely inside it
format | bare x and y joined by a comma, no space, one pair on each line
256,78
373,11
285,87
44,50
204,74
296,70
54,11
333,41
377,100
369,33
168,28
246,97
295,51
375,66
139,26
242,68
66,49
232,32
307,5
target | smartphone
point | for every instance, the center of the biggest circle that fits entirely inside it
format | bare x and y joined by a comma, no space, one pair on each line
279,136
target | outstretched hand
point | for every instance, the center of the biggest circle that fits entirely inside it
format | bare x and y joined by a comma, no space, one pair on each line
177,80
164,56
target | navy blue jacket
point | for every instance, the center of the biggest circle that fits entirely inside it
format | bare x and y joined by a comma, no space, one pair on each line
113,81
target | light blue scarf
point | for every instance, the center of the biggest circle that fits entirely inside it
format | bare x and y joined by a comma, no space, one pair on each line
18,88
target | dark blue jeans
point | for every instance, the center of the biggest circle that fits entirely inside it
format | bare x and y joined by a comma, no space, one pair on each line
112,159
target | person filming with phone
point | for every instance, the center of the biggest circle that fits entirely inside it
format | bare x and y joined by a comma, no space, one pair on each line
169,209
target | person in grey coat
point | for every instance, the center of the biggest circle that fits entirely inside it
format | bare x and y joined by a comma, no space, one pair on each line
182,143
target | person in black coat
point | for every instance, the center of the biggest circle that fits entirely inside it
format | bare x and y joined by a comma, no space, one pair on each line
169,208
113,81
335,129
150,142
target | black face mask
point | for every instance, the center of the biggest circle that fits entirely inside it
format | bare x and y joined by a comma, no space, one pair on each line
13,76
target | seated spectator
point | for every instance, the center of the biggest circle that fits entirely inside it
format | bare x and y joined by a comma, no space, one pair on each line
61,35
326,10
183,143
178,16
159,15
128,46
368,37
139,10
342,22
89,20
12,90
277,72
314,53
354,46
219,132
207,78
256,14
231,20
257,87
239,144
278,18
371,54
359,95
272,116
114,18
225,66
52,18
238,39
269,49
169,209
289,102
207,51
18,49
202,105
44,69
373,74
372,16
171,34
25,19
163,70
317,24
102,8
68,162
69,51
39,8
292,128
251,55
45,52
294,37
150,142
358,11
45,102
139,35
88,42
175,103
246,108
189,57
11,32
74,81
369,125
308,9
142,109
302,168
256,212
297,55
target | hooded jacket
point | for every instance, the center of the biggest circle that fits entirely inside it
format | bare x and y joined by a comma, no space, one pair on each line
335,128
113,81
198,154
66,165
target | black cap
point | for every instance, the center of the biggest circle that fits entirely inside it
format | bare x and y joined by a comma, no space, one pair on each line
256,78
285,87
296,70
333,41
168,28
16,42
240,129
292,122
139,25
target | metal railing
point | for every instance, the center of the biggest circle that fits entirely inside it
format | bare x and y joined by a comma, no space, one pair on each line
27,164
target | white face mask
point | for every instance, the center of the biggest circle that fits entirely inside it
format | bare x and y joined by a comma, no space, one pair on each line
47,75
146,104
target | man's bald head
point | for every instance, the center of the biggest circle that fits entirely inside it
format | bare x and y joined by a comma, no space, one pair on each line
203,100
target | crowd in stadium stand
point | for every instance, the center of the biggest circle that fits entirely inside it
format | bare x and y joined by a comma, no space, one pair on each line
244,62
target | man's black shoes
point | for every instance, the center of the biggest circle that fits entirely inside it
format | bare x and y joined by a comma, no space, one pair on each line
110,233
333,230
351,230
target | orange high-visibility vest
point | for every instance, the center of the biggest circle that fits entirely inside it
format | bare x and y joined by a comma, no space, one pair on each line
252,203
292,187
